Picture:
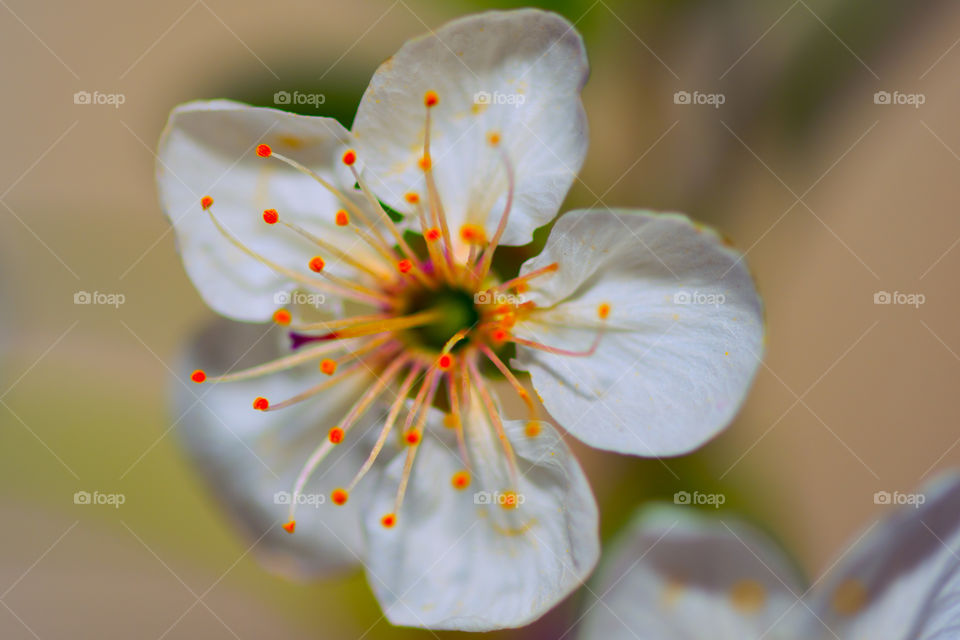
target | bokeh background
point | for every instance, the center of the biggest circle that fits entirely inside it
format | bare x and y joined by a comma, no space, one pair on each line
833,194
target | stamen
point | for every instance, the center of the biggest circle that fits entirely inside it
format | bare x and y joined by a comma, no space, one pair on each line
198,376
379,242
270,216
389,324
316,264
388,520
290,527
557,350
342,218
279,364
521,280
293,275
206,202
261,404
483,266
505,370
335,435
343,322
339,496
438,217
326,384
494,416
387,425
315,389
282,317
376,269
455,415
375,203
263,150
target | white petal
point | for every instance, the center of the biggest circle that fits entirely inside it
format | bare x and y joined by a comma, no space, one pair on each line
677,574
670,372
527,55
901,576
451,563
208,149
248,456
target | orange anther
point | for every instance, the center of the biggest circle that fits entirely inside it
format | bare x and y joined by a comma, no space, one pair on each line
290,526
460,480
339,496
264,150
270,216
432,235
445,361
349,157
603,310
336,435
261,404
532,429
388,520
198,376
473,233
493,138
206,202
430,98
412,437
282,317
328,366
316,264
404,266
342,218
425,162
412,197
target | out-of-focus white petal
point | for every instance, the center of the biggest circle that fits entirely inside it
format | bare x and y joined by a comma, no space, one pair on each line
209,149
899,581
682,340
515,73
251,458
676,574
457,559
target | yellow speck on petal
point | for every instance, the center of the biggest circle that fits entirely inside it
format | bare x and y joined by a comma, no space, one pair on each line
850,597
672,591
748,596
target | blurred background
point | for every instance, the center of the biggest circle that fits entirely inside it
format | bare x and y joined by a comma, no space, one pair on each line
820,135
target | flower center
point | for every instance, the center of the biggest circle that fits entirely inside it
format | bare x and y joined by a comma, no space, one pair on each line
456,310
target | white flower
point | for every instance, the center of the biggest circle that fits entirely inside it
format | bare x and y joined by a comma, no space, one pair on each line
474,134
677,574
